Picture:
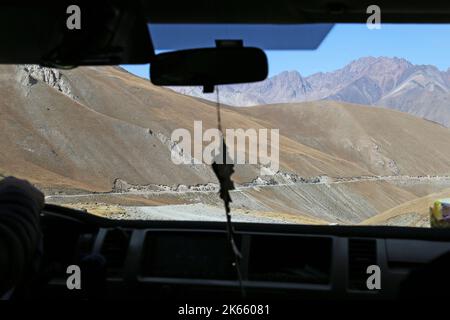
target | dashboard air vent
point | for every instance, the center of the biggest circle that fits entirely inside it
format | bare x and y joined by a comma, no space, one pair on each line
114,249
362,253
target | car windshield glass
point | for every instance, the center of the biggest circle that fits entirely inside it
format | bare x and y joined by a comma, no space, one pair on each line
353,132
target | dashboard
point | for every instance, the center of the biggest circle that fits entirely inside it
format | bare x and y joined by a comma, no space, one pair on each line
149,259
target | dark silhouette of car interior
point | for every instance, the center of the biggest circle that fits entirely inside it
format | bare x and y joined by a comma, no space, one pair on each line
133,259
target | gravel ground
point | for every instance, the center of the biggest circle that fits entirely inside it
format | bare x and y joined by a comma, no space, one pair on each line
191,212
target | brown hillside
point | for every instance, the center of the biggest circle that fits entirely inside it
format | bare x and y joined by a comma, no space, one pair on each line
382,141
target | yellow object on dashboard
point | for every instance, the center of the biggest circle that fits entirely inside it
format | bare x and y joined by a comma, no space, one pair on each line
440,213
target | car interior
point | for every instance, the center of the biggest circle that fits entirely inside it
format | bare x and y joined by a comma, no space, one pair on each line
142,259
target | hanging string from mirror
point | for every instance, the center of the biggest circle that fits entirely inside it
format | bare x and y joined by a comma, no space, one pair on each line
223,170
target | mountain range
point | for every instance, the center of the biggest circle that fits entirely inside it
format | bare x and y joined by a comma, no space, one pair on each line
100,129
394,83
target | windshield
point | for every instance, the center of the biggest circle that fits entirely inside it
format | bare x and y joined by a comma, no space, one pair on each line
354,132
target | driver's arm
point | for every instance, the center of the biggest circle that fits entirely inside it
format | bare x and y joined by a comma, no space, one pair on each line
20,233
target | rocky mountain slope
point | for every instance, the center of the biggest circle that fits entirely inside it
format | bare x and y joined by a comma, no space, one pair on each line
85,129
410,213
394,83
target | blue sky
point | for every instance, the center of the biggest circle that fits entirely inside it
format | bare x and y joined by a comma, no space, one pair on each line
420,44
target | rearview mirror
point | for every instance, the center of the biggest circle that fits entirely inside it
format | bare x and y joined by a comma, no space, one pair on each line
208,67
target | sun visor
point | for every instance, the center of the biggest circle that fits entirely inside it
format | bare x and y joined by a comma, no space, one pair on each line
64,35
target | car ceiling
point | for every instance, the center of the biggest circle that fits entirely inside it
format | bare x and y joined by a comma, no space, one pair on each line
116,32
293,11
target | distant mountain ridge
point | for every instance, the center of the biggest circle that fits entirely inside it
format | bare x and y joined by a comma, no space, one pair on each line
391,82
92,130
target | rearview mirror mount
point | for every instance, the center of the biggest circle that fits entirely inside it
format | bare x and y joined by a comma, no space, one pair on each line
207,67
